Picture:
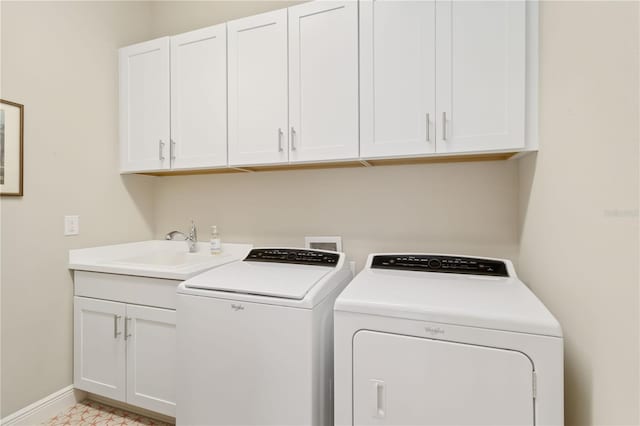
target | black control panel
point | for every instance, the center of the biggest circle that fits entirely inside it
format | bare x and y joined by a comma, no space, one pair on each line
296,256
446,264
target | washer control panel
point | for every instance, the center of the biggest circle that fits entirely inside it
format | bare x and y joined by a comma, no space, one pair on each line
436,263
296,256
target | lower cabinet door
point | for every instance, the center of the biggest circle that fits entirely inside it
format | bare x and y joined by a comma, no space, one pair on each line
151,357
99,347
403,380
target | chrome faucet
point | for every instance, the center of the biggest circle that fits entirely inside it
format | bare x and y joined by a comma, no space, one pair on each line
175,236
192,238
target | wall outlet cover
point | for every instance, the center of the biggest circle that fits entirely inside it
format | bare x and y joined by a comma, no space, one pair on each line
323,243
71,225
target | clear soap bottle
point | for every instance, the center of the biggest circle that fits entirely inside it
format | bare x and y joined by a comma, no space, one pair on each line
216,243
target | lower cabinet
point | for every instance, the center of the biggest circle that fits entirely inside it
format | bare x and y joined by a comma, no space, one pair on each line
99,347
126,352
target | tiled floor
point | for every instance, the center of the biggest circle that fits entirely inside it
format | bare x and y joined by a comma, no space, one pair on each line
91,413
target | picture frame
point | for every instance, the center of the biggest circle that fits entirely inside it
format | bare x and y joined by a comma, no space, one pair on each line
11,148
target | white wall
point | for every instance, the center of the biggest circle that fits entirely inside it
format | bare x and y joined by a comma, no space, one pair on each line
463,208
579,203
174,17
59,60
566,212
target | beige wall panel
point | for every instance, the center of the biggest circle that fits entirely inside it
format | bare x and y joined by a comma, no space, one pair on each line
579,203
59,59
460,208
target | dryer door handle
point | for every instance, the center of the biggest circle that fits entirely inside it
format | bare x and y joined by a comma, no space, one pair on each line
380,398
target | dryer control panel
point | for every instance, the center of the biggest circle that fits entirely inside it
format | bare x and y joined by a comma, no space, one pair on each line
296,256
436,263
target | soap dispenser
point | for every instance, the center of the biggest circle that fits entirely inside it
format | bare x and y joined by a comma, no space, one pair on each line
216,244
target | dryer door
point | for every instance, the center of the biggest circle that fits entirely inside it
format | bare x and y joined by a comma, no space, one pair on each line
403,380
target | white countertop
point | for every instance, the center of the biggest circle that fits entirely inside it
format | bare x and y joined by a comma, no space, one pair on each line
155,258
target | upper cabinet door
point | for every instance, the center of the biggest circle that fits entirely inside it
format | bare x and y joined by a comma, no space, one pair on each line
144,106
323,73
397,78
199,98
258,120
480,75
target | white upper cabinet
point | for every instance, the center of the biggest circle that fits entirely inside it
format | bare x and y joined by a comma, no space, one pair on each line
445,77
480,75
397,78
173,102
258,103
144,106
323,81
199,98
334,80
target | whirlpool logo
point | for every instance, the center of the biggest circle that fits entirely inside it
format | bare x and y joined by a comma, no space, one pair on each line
434,331
237,307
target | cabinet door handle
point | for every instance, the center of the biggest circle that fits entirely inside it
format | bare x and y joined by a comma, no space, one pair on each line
379,411
126,328
161,150
172,149
280,149
293,140
444,125
428,128
116,319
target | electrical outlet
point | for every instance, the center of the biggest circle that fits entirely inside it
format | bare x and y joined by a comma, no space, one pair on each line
323,243
71,225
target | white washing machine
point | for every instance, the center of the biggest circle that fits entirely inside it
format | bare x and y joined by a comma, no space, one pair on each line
255,340
423,339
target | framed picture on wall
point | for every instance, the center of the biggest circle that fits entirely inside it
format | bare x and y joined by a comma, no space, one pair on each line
11,148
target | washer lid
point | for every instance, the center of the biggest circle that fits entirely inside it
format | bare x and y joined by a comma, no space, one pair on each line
499,303
288,281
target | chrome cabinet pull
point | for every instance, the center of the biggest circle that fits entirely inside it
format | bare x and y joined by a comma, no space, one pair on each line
280,149
161,150
293,140
172,149
428,128
444,126
116,319
126,328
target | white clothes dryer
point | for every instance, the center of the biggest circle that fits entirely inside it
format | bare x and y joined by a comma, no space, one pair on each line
424,339
255,340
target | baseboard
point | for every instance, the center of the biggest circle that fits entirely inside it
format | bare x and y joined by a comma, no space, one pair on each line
44,409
